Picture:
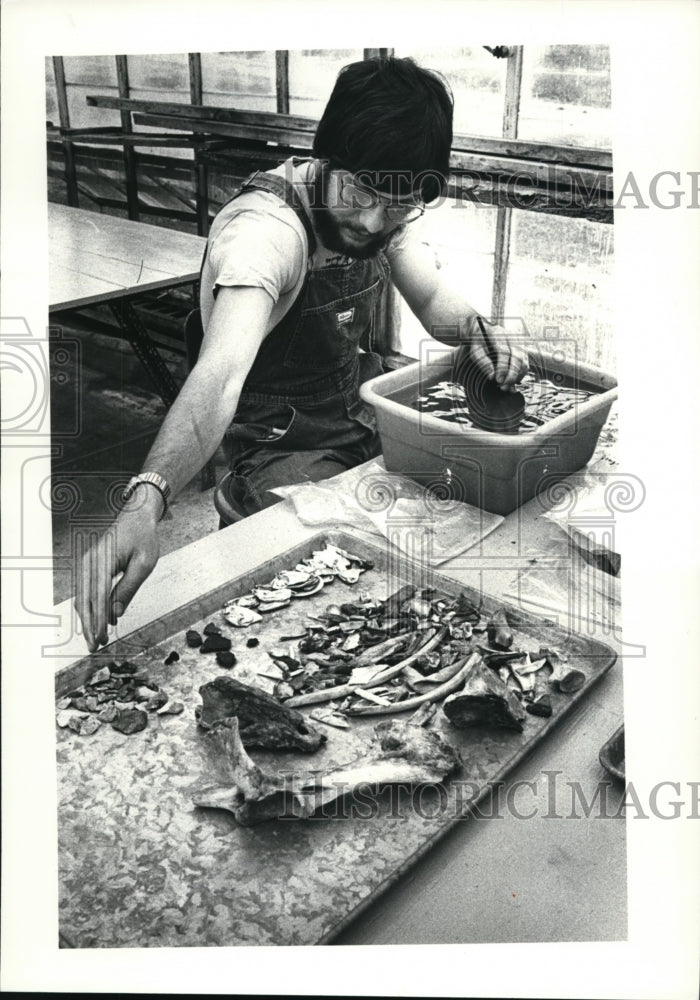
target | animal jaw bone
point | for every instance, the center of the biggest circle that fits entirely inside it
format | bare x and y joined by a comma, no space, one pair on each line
399,753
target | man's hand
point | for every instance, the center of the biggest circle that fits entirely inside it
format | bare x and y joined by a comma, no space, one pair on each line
128,547
493,355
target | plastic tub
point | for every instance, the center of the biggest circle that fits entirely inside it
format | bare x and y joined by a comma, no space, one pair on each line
612,755
496,472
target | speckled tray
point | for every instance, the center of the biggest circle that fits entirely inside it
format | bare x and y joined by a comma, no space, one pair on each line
140,866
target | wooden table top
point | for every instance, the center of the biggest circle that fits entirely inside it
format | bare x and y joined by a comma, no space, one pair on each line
94,257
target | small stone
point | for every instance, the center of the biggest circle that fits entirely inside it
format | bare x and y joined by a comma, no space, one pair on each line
127,693
215,644
80,704
124,668
130,720
156,702
65,715
193,638
91,703
63,703
84,725
99,676
145,692
212,629
172,657
172,708
542,706
108,713
124,706
252,642
105,696
226,659
78,693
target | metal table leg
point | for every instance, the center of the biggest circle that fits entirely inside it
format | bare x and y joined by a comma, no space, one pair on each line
144,348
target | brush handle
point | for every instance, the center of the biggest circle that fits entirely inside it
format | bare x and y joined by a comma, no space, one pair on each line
491,348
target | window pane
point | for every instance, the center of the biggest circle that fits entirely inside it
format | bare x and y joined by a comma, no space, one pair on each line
244,80
462,237
81,114
51,101
312,75
566,95
477,80
167,73
94,70
560,283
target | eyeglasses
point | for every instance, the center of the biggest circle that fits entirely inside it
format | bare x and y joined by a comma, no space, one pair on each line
354,195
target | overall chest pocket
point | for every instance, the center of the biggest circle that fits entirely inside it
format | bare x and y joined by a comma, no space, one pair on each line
327,336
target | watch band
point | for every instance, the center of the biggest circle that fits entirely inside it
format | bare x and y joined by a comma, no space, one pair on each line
150,479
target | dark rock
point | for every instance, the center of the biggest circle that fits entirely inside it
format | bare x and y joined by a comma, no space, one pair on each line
172,657
123,668
130,720
543,707
215,644
211,629
226,659
193,638
252,642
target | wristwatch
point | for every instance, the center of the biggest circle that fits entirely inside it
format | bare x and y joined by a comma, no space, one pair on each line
151,479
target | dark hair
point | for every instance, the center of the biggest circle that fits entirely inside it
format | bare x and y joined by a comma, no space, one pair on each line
389,117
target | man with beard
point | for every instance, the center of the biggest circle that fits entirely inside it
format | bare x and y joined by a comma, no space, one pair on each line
295,266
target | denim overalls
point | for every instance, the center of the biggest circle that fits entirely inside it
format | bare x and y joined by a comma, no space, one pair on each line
299,416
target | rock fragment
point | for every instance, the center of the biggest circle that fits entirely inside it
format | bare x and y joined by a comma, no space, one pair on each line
130,720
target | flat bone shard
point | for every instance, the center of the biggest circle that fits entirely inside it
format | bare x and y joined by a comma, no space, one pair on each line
264,722
399,753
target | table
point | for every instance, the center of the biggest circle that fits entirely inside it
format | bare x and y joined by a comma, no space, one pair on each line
95,258
558,876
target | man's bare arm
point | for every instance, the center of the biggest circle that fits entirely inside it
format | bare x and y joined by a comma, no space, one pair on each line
191,433
437,305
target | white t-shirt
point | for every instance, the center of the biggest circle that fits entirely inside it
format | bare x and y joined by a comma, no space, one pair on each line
258,241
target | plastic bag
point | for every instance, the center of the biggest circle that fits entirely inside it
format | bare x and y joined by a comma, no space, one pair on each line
561,584
584,513
378,502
